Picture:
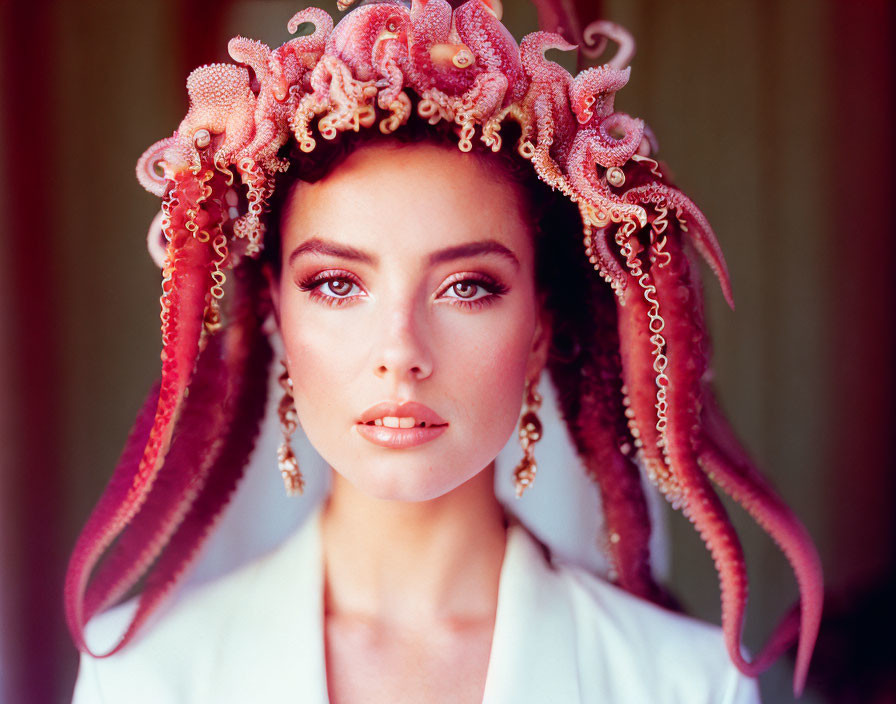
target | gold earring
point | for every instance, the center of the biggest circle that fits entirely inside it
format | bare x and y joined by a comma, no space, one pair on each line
530,433
286,459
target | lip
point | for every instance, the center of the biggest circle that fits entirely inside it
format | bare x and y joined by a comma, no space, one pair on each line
408,409
398,438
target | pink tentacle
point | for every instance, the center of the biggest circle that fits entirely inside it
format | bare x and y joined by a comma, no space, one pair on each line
595,37
151,167
585,155
602,254
689,447
736,476
702,506
181,477
698,227
323,25
248,406
494,46
592,93
705,511
186,290
547,127
617,150
639,350
122,478
240,372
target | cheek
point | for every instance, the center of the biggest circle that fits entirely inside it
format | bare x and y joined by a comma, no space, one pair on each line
487,364
320,361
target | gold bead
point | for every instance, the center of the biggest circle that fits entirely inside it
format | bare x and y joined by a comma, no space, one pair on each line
530,427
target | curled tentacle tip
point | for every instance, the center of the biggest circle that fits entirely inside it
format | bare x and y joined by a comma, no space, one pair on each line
202,138
615,176
561,44
725,283
155,240
495,7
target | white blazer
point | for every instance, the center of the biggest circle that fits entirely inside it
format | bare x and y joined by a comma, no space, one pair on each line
561,635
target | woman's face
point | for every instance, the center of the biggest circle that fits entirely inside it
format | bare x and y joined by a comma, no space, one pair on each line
407,276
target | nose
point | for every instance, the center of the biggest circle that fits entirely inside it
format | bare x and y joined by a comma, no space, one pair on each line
403,351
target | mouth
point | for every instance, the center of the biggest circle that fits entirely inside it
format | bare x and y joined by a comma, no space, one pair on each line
400,425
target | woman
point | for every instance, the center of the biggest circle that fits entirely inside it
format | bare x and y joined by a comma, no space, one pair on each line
420,292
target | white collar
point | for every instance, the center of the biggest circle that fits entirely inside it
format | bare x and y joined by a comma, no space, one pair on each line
533,654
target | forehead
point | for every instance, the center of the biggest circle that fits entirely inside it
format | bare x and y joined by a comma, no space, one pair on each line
408,199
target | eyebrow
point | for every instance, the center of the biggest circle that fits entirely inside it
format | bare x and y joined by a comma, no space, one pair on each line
472,249
316,245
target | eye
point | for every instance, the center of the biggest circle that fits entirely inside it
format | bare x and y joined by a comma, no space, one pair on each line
467,289
332,288
474,291
338,287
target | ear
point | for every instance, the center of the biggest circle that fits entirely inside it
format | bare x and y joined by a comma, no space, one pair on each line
541,342
274,288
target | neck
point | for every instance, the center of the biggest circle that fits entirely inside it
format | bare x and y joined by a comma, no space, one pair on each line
400,562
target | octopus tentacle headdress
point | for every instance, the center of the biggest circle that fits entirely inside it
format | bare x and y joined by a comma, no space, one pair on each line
642,395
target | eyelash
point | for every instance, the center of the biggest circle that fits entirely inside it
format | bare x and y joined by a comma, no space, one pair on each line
495,289
313,283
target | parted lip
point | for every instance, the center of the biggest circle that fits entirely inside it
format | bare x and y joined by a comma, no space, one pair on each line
408,409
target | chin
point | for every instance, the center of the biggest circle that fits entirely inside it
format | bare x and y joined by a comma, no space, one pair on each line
403,484
404,491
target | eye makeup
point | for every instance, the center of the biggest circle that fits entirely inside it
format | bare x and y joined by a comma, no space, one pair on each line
335,280
325,279
494,290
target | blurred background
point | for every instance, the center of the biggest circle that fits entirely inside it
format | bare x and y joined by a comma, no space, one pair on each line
775,118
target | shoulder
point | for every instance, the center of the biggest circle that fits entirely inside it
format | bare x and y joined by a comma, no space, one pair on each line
171,654
207,635
629,649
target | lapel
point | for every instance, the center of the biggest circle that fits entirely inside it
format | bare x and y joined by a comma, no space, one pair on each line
533,657
277,648
278,631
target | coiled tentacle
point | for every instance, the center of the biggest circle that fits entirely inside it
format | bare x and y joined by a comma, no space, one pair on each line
151,167
641,366
547,124
694,222
595,36
585,155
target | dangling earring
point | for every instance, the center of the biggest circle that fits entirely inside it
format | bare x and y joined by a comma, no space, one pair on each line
530,433
289,465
